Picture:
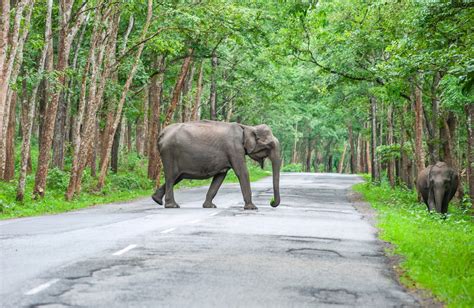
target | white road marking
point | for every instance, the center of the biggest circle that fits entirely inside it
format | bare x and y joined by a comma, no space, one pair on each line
42,287
214,214
121,252
194,221
168,230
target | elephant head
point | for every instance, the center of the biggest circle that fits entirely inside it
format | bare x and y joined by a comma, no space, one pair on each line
443,183
259,143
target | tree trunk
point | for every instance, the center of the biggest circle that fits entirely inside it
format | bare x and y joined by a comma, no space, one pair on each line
186,95
154,97
139,132
419,151
146,117
129,135
328,154
178,88
213,90
353,159
374,157
10,141
360,154
116,149
93,155
403,148
447,134
470,149
329,164
368,160
391,161
450,125
60,134
197,101
434,138
141,128
343,157
294,158
309,150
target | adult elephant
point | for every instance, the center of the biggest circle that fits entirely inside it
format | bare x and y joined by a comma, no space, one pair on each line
205,149
437,185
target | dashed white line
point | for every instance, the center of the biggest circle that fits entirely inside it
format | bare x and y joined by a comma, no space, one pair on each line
168,230
41,287
121,252
214,214
194,221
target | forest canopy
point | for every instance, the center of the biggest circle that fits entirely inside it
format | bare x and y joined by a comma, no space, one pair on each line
383,87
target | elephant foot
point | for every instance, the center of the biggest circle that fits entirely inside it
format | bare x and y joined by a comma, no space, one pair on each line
172,206
209,205
158,199
250,206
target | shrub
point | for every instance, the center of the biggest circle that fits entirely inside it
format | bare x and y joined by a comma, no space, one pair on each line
125,182
57,179
292,168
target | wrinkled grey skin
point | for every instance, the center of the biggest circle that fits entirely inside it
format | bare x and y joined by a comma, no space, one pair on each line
205,149
437,184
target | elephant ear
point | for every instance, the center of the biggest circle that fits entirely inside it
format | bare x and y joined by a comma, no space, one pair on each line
265,139
250,139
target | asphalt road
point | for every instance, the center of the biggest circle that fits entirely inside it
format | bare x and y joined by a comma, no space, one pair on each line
313,250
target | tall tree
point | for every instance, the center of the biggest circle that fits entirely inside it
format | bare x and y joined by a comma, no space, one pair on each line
67,31
154,97
11,56
28,124
105,162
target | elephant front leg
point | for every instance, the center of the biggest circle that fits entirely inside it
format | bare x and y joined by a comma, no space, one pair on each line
243,175
211,193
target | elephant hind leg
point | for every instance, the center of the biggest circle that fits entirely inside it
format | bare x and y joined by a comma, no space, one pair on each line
171,180
211,193
159,193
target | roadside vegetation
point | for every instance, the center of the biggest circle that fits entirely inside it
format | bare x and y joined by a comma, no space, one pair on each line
437,252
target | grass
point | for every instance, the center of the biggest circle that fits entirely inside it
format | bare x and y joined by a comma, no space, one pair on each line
129,183
437,252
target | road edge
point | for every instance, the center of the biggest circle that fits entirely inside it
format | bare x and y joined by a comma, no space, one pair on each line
393,261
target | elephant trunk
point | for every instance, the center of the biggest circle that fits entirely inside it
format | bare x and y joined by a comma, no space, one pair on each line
439,196
276,164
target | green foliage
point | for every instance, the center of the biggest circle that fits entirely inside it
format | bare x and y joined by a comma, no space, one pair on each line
125,182
292,168
388,152
57,179
437,252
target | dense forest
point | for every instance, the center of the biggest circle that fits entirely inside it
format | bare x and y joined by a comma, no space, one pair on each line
380,87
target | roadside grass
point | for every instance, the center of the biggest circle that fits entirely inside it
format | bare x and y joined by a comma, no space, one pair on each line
129,183
437,253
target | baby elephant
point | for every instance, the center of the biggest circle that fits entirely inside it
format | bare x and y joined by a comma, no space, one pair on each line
437,184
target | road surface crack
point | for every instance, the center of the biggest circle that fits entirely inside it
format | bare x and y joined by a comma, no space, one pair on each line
314,251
